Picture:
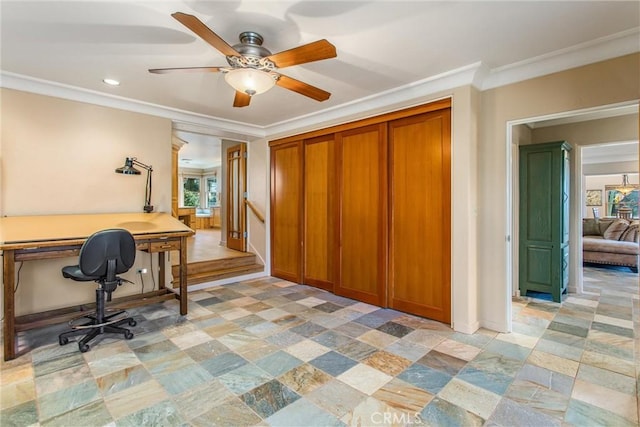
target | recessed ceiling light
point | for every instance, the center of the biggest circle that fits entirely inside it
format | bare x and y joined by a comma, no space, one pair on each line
111,82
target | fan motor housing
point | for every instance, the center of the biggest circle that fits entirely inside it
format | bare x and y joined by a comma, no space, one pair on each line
251,45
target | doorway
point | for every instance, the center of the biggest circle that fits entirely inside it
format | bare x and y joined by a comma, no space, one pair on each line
236,191
202,194
580,128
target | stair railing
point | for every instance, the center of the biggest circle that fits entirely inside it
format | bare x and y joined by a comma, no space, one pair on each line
255,210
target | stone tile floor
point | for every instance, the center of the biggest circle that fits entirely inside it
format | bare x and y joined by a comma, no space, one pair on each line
269,352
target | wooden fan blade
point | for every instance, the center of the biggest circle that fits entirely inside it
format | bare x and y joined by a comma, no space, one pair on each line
241,99
302,88
205,33
184,69
315,51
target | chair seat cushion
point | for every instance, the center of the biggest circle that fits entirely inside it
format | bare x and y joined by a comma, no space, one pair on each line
73,272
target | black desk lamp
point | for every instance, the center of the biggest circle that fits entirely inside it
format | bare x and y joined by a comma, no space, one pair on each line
129,169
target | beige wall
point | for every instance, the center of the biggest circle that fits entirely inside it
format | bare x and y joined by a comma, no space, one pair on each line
258,189
59,157
594,85
464,201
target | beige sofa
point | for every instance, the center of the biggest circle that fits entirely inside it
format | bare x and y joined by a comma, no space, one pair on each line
610,241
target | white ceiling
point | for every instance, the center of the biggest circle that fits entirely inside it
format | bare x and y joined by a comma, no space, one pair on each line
382,47
199,151
610,153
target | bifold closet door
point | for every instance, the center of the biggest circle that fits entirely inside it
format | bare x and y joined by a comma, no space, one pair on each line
362,159
420,227
320,203
286,211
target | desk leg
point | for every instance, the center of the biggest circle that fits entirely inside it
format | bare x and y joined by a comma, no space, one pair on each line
162,272
9,266
183,275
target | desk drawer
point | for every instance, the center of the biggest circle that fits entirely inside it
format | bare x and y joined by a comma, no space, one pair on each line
169,245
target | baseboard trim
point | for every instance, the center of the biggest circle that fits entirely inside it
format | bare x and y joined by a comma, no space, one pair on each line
494,326
466,328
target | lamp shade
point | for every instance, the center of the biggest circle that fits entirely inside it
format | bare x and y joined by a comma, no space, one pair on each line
128,168
249,80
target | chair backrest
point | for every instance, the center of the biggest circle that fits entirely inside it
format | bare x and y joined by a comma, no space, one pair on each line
596,212
107,253
624,212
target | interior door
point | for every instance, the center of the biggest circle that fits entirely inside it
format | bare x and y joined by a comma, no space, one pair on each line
363,215
236,195
320,212
420,227
286,211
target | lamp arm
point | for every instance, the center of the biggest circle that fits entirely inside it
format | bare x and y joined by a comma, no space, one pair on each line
147,192
147,197
142,165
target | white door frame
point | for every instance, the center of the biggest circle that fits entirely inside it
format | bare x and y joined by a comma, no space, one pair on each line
576,189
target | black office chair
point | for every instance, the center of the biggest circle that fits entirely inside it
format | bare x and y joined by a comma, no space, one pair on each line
104,255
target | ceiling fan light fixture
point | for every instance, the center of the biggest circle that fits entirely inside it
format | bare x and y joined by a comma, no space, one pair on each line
250,81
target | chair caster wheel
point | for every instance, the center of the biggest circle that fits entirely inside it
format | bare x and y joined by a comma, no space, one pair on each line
63,340
128,335
132,322
84,348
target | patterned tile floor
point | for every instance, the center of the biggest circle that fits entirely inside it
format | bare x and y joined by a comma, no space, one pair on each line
269,352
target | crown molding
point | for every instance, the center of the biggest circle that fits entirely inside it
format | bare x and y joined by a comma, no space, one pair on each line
602,49
406,96
477,75
20,82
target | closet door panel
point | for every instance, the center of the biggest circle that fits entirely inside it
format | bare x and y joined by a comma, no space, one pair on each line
319,212
286,211
420,226
363,214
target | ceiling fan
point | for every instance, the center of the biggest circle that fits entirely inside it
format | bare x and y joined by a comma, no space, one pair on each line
252,68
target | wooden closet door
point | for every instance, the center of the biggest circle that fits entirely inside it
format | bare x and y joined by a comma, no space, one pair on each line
363,214
286,211
320,203
420,228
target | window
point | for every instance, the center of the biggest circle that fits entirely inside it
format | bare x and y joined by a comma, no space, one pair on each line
191,187
212,191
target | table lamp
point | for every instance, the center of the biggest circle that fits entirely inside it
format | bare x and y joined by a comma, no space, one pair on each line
129,169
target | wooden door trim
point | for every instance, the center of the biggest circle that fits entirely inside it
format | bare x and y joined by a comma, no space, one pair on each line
380,119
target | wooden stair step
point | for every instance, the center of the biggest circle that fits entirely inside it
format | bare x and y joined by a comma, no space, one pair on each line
216,269
199,267
209,276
